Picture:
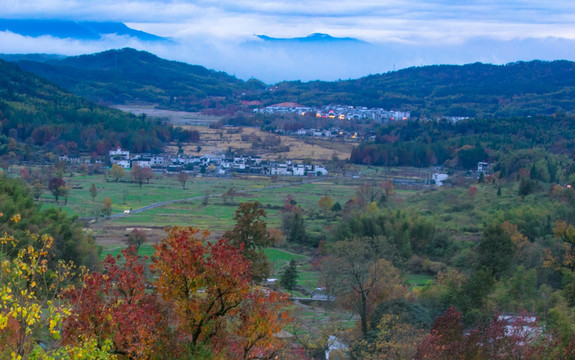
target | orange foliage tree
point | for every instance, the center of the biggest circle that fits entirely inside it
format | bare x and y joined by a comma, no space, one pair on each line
216,309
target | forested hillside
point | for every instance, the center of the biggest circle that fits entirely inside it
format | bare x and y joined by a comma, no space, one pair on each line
473,90
523,88
465,143
37,113
127,75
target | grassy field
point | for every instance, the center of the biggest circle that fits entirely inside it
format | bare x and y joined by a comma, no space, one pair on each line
215,216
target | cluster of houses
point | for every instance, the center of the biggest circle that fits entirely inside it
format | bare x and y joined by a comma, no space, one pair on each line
214,164
341,112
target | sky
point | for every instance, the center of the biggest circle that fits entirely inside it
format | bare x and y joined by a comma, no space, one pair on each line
395,34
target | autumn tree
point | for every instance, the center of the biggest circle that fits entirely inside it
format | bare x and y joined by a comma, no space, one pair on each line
504,337
115,307
262,316
136,238
107,206
57,187
183,178
208,287
93,191
30,309
186,263
251,235
325,204
117,172
364,277
138,174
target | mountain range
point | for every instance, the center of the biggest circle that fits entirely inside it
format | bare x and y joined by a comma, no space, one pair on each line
473,90
80,30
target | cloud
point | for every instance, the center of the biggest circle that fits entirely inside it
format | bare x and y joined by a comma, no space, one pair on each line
368,19
220,34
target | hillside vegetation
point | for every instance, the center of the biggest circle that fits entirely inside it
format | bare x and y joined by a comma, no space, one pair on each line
35,112
474,90
127,75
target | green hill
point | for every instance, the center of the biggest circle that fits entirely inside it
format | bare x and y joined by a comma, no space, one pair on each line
128,75
37,113
473,90
517,89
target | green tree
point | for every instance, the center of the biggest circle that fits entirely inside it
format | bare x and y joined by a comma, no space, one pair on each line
288,279
294,226
495,250
250,232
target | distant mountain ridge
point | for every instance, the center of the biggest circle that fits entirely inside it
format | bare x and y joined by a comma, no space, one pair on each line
66,29
312,38
472,90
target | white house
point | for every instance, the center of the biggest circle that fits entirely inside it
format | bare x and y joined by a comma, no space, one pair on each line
119,153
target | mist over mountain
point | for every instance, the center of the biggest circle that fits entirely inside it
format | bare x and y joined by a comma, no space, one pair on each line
312,38
79,30
271,57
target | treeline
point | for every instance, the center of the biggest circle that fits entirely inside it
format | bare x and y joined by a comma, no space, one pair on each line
463,144
70,241
37,113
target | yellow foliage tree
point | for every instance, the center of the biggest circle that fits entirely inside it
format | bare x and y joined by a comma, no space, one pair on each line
29,294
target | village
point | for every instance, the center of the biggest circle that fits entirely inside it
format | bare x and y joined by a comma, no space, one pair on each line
341,112
211,164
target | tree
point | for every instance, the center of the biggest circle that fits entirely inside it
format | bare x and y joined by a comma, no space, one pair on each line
107,206
263,316
183,178
148,174
65,193
295,227
29,290
207,285
114,307
288,279
93,192
117,172
136,238
251,235
37,190
495,249
325,204
364,278
138,174
186,263
513,337
57,186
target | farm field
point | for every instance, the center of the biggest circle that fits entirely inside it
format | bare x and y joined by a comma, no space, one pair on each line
230,139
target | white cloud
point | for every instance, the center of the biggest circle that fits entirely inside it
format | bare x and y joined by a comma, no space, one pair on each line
219,34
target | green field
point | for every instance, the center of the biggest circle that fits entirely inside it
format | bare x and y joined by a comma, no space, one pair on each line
215,216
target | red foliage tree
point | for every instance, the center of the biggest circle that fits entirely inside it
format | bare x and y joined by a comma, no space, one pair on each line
115,306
